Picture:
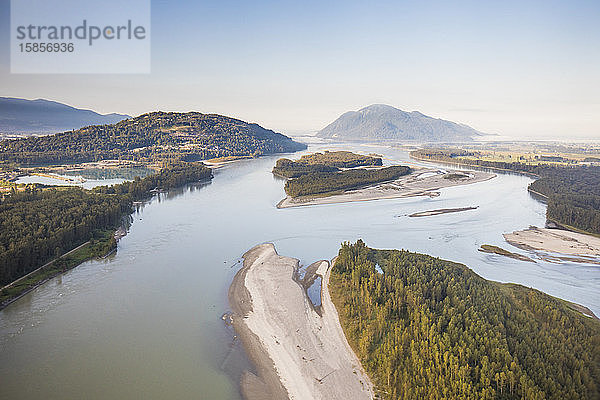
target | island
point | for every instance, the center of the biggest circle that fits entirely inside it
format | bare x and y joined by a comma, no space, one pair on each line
398,324
319,179
439,211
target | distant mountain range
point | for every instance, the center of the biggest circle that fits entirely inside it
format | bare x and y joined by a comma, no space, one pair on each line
27,117
380,122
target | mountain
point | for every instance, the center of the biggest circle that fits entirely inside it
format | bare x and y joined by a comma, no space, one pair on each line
151,137
21,116
379,122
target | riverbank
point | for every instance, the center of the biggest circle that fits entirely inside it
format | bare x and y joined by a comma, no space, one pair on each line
555,241
421,182
102,246
298,354
471,166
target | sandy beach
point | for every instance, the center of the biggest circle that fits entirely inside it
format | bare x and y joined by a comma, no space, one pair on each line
421,182
298,353
555,241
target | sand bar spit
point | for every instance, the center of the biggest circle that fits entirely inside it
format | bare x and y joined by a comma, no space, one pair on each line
298,354
555,241
421,182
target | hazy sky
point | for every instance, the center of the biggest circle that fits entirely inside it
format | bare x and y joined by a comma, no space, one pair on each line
515,68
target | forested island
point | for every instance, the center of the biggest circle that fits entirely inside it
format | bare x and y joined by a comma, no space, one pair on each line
572,192
150,137
328,161
40,224
331,172
429,328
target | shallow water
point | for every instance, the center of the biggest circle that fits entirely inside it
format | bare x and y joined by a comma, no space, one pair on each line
146,323
88,178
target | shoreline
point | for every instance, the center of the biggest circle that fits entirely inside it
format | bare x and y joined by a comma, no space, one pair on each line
297,353
410,185
556,241
476,167
46,272
440,211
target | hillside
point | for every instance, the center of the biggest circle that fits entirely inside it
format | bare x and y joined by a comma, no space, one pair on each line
429,328
379,122
155,136
25,117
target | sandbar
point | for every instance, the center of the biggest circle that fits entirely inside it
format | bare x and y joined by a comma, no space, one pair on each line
555,241
298,353
421,182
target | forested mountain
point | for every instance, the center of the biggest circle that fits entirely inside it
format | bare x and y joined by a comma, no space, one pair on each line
40,224
21,116
426,328
573,193
155,136
380,122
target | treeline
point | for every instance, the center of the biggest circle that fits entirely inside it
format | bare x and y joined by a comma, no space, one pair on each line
150,137
573,196
426,328
292,169
573,192
457,156
329,161
340,159
40,224
325,182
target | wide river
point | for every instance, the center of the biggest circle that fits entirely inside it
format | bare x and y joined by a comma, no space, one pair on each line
146,323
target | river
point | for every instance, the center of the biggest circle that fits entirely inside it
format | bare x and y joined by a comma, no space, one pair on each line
146,323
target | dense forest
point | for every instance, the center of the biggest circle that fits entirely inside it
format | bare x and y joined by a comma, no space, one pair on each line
40,224
155,136
329,161
292,169
573,193
573,196
333,171
426,328
325,182
341,159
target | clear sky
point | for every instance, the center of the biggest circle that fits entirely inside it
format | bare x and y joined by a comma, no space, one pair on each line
528,69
